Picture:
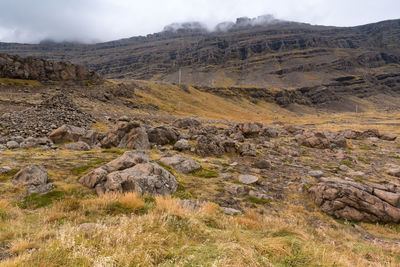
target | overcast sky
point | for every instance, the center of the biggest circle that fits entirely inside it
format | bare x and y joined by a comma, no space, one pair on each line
103,20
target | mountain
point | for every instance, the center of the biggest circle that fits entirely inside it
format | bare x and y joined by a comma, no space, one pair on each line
306,64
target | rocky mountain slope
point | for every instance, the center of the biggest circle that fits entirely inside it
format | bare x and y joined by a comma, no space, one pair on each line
309,65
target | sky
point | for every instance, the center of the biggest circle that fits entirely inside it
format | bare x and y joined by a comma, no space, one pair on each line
30,21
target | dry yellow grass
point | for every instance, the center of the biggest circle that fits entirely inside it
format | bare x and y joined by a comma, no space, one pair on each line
169,235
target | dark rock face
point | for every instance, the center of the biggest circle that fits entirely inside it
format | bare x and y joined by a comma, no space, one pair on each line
350,200
13,66
40,120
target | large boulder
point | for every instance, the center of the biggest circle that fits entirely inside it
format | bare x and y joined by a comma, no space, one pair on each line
34,177
162,135
186,123
350,200
126,134
209,146
315,139
182,145
68,133
249,129
127,160
181,164
143,178
131,172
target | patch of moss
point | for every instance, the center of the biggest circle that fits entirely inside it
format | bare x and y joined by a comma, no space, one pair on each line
113,151
205,173
259,200
165,166
35,201
347,163
8,175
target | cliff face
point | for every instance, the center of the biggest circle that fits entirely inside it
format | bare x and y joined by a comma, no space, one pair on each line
29,68
271,54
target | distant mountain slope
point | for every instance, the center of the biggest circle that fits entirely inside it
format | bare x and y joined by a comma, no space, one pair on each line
249,53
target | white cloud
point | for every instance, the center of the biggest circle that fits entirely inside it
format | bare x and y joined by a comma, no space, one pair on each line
88,20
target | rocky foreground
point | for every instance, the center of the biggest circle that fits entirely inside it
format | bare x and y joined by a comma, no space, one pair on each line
350,175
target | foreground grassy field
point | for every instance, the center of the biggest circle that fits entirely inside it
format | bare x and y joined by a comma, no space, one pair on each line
71,226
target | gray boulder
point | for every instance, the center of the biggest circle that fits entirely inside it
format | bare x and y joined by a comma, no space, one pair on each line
247,179
181,164
34,177
162,135
12,145
182,145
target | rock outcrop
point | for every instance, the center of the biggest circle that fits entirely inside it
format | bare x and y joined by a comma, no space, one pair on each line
350,200
29,68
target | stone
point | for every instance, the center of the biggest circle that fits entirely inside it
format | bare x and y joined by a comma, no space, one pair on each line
270,132
142,178
230,211
67,133
162,135
247,179
248,150
127,160
189,122
181,164
29,142
262,164
182,145
137,138
209,146
388,137
126,135
31,175
12,145
248,129
34,177
356,201
313,140
237,137
394,172
79,146
236,189
316,174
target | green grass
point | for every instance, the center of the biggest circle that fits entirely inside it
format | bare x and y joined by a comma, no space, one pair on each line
35,201
181,193
259,200
113,151
165,166
205,173
81,170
